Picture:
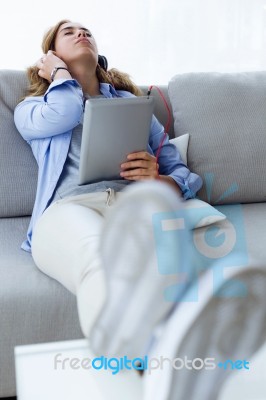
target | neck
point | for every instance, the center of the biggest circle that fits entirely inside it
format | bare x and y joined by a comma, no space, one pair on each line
87,79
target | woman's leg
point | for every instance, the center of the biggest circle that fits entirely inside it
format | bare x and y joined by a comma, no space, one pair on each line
144,261
65,246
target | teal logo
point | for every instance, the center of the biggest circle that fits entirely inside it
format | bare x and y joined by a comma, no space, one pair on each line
185,253
231,365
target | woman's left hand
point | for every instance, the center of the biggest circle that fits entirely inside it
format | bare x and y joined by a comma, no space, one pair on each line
140,166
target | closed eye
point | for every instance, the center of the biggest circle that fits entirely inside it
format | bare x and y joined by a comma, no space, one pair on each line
89,34
69,31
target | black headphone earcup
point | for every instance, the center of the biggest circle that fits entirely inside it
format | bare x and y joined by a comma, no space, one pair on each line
102,61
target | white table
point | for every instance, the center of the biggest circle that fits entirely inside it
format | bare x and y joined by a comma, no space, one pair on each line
41,374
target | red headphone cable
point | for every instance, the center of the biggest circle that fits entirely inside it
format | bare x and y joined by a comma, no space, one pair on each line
166,129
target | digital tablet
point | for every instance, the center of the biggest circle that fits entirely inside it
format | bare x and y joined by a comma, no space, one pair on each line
112,128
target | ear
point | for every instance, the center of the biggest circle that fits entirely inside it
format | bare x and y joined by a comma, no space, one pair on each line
102,61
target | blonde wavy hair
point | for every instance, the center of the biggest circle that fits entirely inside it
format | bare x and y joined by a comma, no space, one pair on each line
38,85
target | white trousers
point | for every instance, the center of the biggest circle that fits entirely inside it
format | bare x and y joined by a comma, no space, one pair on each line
65,246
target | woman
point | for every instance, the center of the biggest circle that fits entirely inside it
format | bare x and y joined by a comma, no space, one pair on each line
68,236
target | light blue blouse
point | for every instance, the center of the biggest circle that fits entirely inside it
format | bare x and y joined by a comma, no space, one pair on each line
46,123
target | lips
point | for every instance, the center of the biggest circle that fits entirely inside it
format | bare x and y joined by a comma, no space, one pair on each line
83,40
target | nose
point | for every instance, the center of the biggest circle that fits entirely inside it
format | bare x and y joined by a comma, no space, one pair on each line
81,32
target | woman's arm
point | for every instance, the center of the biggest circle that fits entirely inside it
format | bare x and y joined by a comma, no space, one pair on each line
170,167
170,181
58,111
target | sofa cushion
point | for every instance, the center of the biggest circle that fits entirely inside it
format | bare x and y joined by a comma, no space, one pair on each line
225,117
237,234
18,168
181,143
33,307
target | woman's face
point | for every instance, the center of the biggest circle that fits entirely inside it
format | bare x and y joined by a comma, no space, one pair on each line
74,42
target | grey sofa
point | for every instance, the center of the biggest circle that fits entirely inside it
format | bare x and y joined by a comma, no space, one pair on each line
226,120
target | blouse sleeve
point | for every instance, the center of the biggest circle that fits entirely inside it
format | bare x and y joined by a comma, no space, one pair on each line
59,110
171,164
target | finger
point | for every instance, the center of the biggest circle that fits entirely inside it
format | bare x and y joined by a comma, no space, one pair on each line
39,64
40,61
144,155
136,171
41,73
135,164
151,163
139,178
139,172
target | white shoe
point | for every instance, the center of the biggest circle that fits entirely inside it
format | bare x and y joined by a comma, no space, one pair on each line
226,323
141,260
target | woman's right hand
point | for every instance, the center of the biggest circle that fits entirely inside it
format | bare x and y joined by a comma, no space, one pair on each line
47,63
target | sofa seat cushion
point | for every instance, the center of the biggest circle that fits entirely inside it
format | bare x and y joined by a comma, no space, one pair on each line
33,307
224,114
241,234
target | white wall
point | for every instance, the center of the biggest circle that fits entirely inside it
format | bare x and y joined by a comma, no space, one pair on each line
150,39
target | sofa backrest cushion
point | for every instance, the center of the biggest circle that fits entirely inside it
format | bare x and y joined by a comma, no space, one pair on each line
18,167
224,114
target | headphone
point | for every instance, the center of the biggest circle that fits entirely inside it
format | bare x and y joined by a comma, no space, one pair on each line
102,61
